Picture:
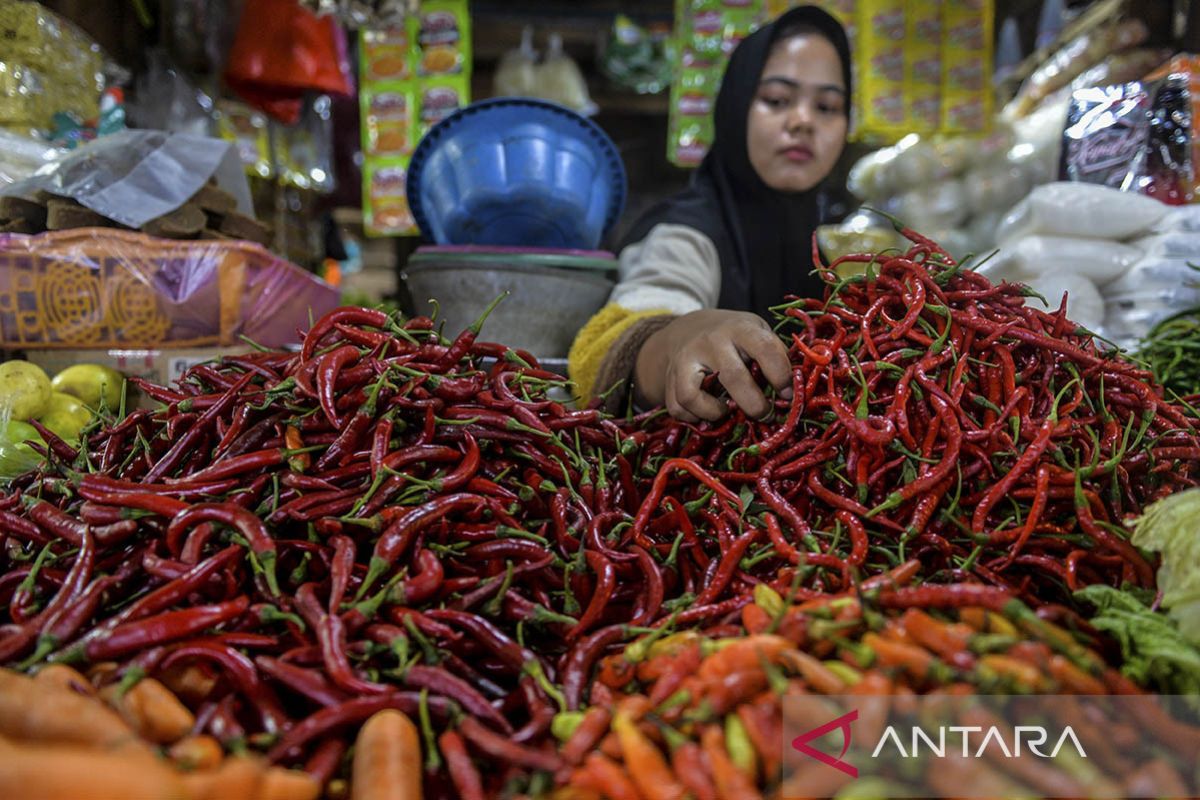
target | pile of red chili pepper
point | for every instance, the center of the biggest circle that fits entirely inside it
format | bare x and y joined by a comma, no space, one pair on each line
938,416
391,519
384,519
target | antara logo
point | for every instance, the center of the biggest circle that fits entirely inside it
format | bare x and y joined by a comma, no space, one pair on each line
1032,737
801,743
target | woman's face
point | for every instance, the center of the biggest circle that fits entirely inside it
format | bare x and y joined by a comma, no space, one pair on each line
797,124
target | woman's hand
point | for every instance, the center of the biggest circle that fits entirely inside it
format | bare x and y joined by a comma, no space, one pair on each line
673,362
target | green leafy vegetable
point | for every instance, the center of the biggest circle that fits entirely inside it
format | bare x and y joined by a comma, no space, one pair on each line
1154,652
1172,527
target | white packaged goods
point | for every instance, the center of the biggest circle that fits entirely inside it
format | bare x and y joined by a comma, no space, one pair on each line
1085,306
995,187
938,205
1154,275
1180,245
1098,260
1081,209
1180,218
1130,318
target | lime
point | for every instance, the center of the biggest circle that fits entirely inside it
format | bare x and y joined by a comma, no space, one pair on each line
66,416
24,388
90,382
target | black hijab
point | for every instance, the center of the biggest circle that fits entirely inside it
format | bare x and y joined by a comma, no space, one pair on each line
763,237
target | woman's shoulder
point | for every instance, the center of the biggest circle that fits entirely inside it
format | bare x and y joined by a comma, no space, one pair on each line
671,236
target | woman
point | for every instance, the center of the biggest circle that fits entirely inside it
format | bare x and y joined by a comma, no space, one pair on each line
700,271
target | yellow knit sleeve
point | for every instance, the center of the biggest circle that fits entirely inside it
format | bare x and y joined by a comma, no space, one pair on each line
594,342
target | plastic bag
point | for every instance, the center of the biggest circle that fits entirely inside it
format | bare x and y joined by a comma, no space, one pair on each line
283,51
1098,260
1186,218
1085,306
939,205
167,101
21,156
516,73
636,58
994,188
48,66
1183,245
1130,317
96,287
559,80
1155,274
135,176
1081,209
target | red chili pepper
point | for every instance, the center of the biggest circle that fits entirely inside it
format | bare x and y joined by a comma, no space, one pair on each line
439,681
166,627
506,750
241,520
352,712
347,316
241,670
331,636
399,534
578,664
325,761
463,773
328,368
307,682
606,582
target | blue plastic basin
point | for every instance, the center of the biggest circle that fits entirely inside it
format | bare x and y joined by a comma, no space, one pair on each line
519,172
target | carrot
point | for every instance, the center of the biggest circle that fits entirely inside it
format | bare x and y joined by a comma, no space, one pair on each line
744,654
732,783
196,753
65,677
99,673
646,765
387,759
603,775
287,784
56,772
33,711
189,682
153,711
238,778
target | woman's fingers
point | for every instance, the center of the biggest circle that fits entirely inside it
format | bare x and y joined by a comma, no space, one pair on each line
757,342
736,378
688,402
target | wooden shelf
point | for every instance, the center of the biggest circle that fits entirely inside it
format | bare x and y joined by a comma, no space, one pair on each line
616,102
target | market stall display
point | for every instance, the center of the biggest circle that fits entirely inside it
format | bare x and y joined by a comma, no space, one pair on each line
414,73
390,519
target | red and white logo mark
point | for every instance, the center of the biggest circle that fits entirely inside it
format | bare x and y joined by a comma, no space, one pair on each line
801,743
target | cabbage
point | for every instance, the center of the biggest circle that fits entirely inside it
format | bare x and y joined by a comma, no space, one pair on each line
1172,527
